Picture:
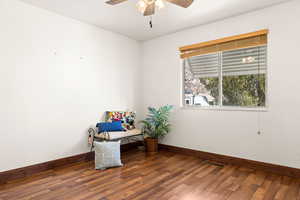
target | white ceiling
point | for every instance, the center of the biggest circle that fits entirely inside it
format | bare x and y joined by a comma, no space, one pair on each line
125,19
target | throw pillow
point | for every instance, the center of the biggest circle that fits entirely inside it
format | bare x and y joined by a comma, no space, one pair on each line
107,154
127,118
110,126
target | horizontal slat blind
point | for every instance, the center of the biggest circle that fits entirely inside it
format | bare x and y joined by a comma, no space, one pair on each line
204,65
257,38
244,61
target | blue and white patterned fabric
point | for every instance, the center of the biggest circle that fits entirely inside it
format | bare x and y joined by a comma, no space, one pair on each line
107,154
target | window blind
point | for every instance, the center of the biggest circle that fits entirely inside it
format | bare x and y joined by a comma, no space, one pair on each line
247,40
244,61
204,65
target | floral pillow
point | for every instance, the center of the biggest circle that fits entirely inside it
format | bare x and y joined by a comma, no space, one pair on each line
127,118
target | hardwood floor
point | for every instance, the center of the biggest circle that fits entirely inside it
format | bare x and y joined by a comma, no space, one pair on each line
162,176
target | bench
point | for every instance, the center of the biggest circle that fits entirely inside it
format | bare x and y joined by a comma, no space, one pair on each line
131,134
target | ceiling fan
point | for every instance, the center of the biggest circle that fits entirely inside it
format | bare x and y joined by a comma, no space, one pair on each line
147,7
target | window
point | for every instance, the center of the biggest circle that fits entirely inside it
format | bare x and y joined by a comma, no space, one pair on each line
227,78
229,72
244,77
201,85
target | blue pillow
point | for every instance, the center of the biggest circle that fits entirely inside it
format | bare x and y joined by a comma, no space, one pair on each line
110,126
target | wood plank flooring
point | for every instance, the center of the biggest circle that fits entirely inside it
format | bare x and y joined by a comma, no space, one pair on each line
162,176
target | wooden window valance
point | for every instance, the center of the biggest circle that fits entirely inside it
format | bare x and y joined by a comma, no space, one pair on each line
228,43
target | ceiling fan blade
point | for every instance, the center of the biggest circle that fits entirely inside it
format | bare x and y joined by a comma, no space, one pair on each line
114,2
182,3
150,9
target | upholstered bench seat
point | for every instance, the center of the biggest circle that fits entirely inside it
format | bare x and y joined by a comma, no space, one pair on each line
118,134
132,134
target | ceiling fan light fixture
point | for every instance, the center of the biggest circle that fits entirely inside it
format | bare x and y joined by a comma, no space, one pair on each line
141,6
148,7
159,4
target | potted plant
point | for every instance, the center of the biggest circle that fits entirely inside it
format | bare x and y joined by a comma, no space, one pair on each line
156,126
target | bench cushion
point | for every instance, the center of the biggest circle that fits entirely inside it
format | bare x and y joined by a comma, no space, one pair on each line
118,134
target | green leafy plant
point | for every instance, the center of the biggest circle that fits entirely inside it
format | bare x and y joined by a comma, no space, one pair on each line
157,125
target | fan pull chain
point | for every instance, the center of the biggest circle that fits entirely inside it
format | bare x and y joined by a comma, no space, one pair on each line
258,94
150,22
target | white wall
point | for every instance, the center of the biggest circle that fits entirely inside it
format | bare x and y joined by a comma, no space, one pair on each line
234,132
57,77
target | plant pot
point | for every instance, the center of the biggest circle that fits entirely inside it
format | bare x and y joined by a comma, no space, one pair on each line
151,145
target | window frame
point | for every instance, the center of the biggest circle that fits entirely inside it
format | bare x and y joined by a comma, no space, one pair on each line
265,108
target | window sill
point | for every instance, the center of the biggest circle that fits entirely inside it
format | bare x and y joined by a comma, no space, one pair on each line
225,108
